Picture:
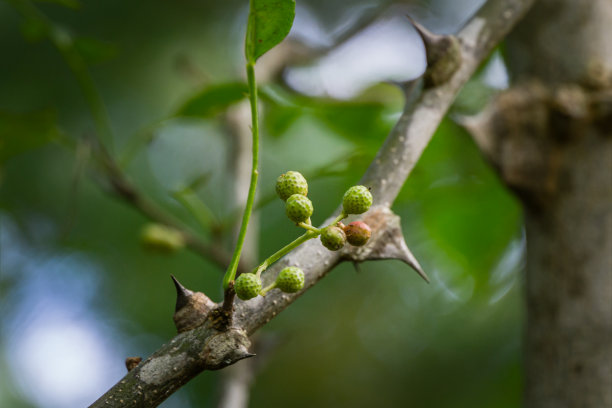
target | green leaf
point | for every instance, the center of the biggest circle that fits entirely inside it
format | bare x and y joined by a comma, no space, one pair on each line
354,120
94,51
73,4
213,100
269,23
20,133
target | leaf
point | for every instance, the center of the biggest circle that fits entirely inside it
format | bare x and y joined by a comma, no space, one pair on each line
20,133
269,23
361,122
94,51
73,4
213,100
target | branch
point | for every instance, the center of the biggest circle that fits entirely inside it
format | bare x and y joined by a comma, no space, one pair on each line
205,348
125,190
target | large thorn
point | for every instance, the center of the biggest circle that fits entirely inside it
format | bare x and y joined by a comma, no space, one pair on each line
182,294
443,55
192,308
387,241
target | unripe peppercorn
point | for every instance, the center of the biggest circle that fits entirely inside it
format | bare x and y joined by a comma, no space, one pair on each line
333,238
290,183
357,233
247,286
298,208
290,279
357,200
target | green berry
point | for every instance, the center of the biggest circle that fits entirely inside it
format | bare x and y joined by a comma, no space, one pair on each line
161,238
291,183
298,208
290,279
357,233
247,286
357,200
333,238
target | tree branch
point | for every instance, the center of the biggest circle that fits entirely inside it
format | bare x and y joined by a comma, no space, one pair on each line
125,190
205,348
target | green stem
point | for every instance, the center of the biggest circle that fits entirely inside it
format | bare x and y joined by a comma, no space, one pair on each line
230,275
309,227
339,218
284,250
265,290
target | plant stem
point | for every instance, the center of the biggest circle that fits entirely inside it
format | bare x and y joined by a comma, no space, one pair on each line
339,218
231,270
309,227
284,250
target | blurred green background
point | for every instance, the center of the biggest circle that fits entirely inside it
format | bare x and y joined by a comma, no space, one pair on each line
79,293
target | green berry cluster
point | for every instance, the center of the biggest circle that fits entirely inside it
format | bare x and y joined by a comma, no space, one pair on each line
289,280
292,188
291,183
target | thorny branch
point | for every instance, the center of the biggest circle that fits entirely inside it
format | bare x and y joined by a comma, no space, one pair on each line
205,348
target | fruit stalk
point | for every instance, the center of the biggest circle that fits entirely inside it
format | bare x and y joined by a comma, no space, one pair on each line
285,250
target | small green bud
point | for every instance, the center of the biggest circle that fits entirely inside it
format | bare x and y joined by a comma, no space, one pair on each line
247,286
160,238
357,200
291,183
358,233
298,208
333,238
290,279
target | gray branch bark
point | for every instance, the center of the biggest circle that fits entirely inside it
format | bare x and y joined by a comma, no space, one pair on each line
205,348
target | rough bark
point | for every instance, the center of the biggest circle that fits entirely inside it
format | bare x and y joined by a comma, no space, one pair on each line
551,138
188,353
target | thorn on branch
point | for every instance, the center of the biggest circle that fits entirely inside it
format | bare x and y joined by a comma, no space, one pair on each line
443,55
387,241
132,362
192,308
226,348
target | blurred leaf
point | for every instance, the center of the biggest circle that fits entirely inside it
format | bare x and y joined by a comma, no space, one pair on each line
269,23
357,121
196,207
22,132
34,30
279,118
94,51
73,4
213,100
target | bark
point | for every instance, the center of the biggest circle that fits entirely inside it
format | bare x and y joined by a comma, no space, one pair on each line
205,347
550,137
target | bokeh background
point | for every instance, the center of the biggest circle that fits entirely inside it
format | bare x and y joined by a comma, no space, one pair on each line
79,292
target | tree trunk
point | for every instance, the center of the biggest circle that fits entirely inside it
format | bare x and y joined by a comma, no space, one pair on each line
556,153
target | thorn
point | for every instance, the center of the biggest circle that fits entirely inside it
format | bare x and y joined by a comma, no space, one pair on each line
429,38
443,54
357,267
182,294
132,362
